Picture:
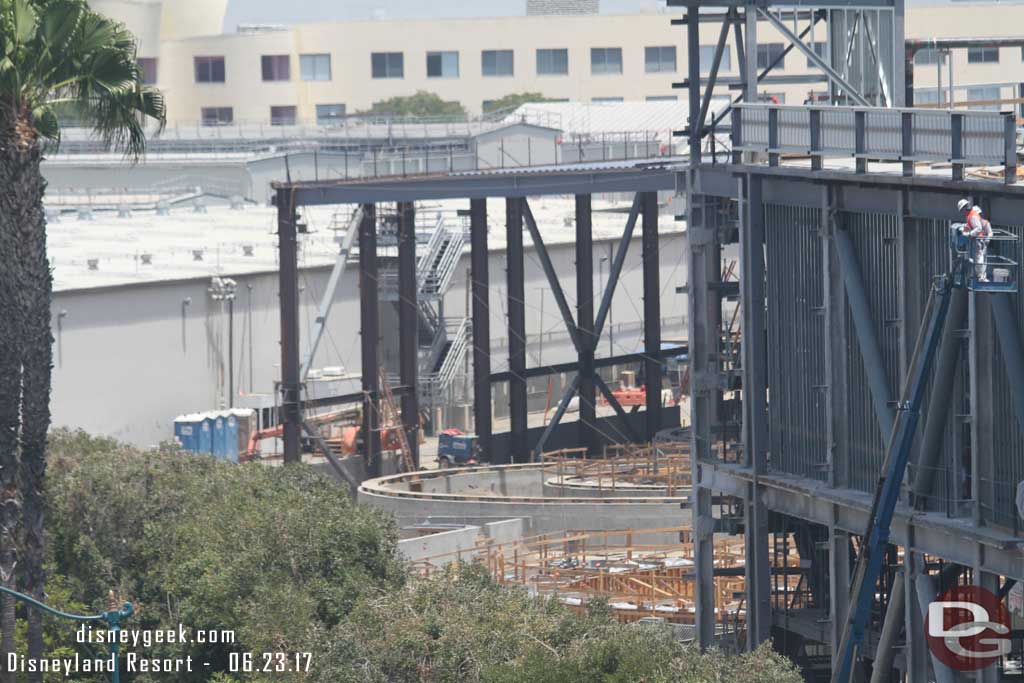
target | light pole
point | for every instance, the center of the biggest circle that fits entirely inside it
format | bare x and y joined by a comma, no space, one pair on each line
223,289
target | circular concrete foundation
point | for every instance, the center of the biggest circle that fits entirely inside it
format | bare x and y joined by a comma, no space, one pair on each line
538,493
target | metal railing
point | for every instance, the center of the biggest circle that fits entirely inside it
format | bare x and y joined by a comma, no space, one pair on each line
963,138
437,265
434,385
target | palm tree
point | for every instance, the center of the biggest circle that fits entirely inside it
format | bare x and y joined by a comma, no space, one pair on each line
55,55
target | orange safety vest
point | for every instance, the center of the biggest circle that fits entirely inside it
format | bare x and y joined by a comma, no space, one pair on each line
986,227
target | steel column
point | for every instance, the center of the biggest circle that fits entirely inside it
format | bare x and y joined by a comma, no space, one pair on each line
748,67
867,340
939,405
652,311
585,321
369,316
839,587
881,670
1012,352
755,409
516,332
693,64
705,312
288,284
926,593
481,327
408,327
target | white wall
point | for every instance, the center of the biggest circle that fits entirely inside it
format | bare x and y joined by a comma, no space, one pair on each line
127,361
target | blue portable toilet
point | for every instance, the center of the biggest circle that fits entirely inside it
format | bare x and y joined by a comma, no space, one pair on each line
204,424
186,432
230,448
219,436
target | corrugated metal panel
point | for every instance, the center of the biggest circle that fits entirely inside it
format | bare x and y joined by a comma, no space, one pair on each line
796,349
876,239
884,132
1008,440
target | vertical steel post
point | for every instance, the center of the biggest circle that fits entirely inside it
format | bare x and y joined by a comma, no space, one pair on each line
755,410
518,451
652,311
288,285
1010,147
773,137
957,146
748,66
705,312
481,327
907,147
369,317
860,138
815,130
408,324
585,321
693,63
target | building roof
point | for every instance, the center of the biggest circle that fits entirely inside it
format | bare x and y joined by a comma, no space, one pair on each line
223,236
597,118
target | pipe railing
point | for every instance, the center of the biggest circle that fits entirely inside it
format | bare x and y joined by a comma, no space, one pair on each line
961,138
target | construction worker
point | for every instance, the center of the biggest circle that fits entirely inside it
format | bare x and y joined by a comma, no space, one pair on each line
980,231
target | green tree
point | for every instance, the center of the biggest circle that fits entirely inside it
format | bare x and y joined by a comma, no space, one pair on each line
423,103
513,101
52,53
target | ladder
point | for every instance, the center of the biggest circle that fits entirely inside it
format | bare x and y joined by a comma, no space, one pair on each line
390,415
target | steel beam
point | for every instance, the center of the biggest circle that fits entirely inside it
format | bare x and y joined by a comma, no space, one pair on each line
617,407
516,331
755,409
713,74
615,269
408,327
926,593
651,176
867,340
603,362
369,316
693,64
652,311
551,275
481,326
888,639
939,405
288,284
839,587
585,321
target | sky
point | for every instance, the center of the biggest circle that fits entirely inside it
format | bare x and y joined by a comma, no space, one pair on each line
309,11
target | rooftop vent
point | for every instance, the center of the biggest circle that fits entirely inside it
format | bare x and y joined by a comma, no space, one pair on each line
147,259
247,249
163,208
236,202
198,206
94,264
84,213
123,211
53,215
197,254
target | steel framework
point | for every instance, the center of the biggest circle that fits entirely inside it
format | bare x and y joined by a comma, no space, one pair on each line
836,266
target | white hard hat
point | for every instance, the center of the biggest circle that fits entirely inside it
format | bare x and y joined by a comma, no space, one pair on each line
963,204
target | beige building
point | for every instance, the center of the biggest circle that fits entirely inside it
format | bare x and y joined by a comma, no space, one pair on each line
320,71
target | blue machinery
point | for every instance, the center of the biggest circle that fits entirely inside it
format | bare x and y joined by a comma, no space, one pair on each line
887,492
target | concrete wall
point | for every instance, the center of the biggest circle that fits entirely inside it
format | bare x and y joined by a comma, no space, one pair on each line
479,493
129,359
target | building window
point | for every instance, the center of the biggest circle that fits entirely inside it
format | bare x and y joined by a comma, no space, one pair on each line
656,60
552,62
606,100
282,116
209,69
926,96
606,60
442,65
707,58
276,67
662,98
767,53
147,65
218,116
819,49
985,93
983,55
497,63
330,114
927,56
315,67
388,64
